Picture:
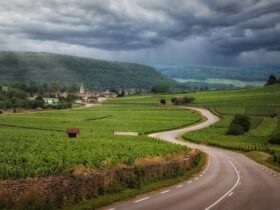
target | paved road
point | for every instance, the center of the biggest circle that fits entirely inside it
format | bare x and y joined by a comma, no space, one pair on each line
230,181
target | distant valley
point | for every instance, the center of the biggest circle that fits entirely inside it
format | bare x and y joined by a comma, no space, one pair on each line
220,77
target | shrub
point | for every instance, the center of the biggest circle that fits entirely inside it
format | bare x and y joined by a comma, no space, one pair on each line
242,120
163,102
239,125
276,158
1,112
275,138
182,100
273,115
235,130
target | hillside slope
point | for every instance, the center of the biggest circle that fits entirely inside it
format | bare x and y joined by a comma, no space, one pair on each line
95,74
207,75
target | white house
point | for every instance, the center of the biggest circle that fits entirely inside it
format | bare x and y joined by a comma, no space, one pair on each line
51,100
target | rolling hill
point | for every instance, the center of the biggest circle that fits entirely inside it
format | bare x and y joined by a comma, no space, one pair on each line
219,76
95,74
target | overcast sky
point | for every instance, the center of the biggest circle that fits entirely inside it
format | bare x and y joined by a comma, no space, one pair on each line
200,32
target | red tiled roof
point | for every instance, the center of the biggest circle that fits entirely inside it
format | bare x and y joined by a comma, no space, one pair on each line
73,130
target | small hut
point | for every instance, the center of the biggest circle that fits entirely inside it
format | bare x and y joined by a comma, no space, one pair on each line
73,132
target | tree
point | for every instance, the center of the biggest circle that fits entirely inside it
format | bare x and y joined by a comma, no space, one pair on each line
271,80
242,120
182,100
163,101
160,88
235,130
239,125
275,138
121,94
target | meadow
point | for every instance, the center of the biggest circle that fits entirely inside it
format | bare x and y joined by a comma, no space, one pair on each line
35,144
261,104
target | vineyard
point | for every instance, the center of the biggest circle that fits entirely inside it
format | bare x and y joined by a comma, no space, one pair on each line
262,105
36,145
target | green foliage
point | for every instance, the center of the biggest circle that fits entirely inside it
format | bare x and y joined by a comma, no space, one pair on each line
161,88
95,74
275,136
39,147
239,125
163,101
235,129
257,103
182,100
271,80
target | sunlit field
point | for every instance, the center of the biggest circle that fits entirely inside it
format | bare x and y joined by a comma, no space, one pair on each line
38,146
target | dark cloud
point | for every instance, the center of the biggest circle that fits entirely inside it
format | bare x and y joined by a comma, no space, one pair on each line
230,27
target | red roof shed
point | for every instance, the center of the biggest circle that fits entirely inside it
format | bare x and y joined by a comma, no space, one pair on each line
73,132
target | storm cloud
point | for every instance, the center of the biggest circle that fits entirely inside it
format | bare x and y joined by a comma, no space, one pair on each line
138,29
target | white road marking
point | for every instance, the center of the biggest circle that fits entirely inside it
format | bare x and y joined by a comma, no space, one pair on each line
179,186
166,191
112,209
200,175
191,181
137,201
228,192
196,178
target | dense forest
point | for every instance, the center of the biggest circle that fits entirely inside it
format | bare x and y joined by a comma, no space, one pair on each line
95,74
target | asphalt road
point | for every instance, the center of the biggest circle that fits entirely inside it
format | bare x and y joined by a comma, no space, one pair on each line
230,181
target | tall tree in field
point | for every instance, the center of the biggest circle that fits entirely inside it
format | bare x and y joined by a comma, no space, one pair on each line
271,80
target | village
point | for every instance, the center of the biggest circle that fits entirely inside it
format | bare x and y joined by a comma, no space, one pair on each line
85,96
34,96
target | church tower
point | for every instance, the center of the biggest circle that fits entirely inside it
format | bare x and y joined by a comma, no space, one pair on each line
82,89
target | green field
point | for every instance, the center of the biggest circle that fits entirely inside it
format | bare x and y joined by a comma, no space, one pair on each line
259,103
37,144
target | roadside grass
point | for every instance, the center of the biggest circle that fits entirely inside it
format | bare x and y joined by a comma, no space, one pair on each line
264,159
105,200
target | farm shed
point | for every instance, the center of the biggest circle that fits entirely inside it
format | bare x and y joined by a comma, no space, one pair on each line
73,132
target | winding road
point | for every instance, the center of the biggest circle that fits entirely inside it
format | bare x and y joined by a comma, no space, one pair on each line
230,181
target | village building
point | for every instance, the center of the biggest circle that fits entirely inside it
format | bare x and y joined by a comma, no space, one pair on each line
51,100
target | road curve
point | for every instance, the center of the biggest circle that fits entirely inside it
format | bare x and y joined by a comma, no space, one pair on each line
230,181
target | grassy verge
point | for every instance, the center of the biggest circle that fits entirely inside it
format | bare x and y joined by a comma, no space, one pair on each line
130,193
258,156
264,159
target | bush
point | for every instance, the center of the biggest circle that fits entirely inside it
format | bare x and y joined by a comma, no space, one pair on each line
1,112
273,115
163,102
275,138
239,125
235,130
242,120
182,100
276,158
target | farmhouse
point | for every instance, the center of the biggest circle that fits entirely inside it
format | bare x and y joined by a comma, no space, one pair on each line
73,132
